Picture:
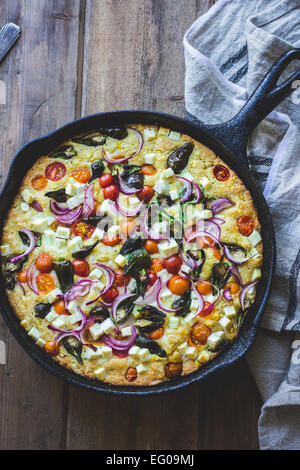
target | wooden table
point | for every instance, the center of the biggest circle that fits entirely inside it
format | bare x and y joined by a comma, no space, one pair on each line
74,58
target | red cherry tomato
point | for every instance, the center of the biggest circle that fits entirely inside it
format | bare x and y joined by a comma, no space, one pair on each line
111,192
106,180
173,264
82,175
110,295
111,241
178,285
221,173
146,194
121,280
83,230
55,171
44,263
81,267
152,278
39,182
245,225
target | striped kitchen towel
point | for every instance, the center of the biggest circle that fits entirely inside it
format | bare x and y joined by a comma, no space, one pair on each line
227,52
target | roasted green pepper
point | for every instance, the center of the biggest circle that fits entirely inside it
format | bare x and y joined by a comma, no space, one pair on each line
41,309
131,245
65,152
74,347
65,274
145,342
184,304
59,195
137,261
97,170
81,254
92,139
179,159
118,133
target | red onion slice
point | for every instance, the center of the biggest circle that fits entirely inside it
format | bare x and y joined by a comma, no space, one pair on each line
88,202
134,154
148,232
81,288
151,294
110,276
187,188
200,300
161,305
30,278
32,244
121,345
70,217
58,209
117,302
21,287
220,204
244,292
192,263
227,294
37,206
234,260
235,273
128,213
203,235
199,193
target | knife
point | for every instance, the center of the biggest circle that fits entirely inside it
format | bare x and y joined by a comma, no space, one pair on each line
8,36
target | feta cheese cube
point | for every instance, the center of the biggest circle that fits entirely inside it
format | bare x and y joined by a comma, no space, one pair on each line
164,275
133,202
168,248
113,231
75,318
51,297
149,159
163,131
96,274
204,181
174,323
75,244
166,295
204,356
230,311
131,285
126,331
191,352
256,274
187,175
40,223
25,324
96,330
215,338
254,238
5,250
52,315
74,202
49,238
210,298
50,219
60,322
194,304
225,323
206,214
168,173
63,232
24,206
40,342
100,373
174,135
107,326
34,333
141,368
121,260
174,194
91,354
27,196
144,354
161,186
134,351
106,352
160,227
73,189
73,306
185,269
149,134
60,244
182,348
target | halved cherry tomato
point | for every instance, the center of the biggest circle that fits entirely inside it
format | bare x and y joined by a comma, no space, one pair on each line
233,287
55,171
172,369
131,374
152,278
111,241
39,182
83,229
52,348
81,267
156,334
127,227
198,335
204,288
178,285
121,280
245,225
106,180
208,310
173,264
45,283
148,170
151,247
59,307
146,194
44,263
82,175
22,277
110,295
156,266
221,173
111,192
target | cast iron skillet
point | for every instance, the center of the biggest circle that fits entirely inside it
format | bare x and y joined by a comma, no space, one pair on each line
229,141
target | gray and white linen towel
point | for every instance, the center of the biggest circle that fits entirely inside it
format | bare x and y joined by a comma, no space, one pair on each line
228,51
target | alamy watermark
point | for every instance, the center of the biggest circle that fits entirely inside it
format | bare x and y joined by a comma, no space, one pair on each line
2,353
296,93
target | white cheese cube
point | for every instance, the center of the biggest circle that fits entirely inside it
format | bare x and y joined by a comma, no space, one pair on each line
133,202
168,173
49,237
50,219
126,331
75,244
60,322
254,253
185,269
96,330
89,353
24,206
206,214
160,227
204,356
52,315
40,342
113,231
254,238
97,235
187,175
141,368
74,202
215,338
230,311
174,194
210,298
27,196
166,295
182,348
194,304
149,134
73,306
131,287
149,159
174,135
40,223
204,181
75,318
161,186
256,274
106,352
163,131
52,296
107,326
34,333
100,373
174,323
144,354
25,324
96,274
5,250
70,189
164,275
168,248
191,352
63,232
121,260
225,323
134,351
60,244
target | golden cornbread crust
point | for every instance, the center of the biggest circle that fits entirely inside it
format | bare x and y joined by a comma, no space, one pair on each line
175,341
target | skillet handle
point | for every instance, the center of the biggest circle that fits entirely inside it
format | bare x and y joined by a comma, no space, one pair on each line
234,134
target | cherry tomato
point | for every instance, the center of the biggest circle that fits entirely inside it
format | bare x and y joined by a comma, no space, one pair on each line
156,266
121,280
146,194
131,374
22,277
82,175
208,310
44,263
172,369
55,171
156,334
111,241
233,287
59,307
39,182
152,279
198,335
83,229
111,192
127,227
106,180
151,247
52,348
45,283
178,285
221,173
173,264
81,267
204,288
245,225
110,295
148,170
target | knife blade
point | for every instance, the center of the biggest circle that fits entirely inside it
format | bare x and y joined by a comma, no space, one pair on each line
8,36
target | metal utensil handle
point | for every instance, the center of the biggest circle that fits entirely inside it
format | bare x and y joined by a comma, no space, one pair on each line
8,36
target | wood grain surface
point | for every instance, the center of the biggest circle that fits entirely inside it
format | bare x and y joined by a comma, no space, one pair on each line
77,58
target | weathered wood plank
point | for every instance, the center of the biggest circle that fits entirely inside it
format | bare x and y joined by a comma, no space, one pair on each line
134,59
40,75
